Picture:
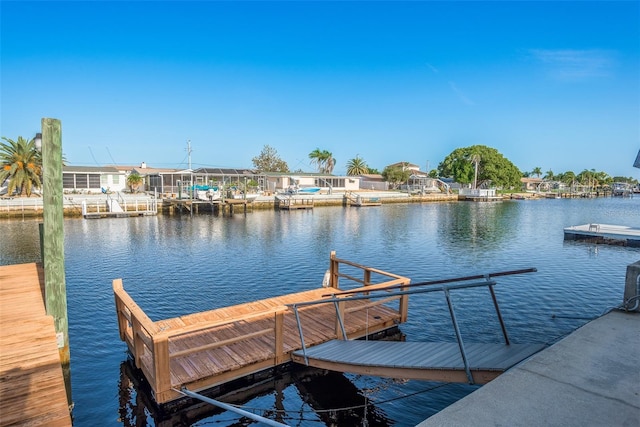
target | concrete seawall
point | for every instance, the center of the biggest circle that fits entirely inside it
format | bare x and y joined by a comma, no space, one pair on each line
31,207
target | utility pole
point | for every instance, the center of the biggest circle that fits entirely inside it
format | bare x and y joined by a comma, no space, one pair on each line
189,152
53,241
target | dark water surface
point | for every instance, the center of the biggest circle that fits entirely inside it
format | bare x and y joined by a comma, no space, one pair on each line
177,265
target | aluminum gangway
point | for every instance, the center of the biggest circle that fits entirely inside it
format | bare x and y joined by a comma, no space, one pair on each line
460,361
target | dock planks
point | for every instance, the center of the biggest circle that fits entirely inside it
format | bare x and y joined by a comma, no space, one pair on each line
213,347
32,390
202,350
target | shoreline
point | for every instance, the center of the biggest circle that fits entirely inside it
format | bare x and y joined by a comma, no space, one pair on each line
32,207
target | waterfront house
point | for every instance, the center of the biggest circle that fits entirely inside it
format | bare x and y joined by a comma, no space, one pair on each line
373,182
90,179
281,182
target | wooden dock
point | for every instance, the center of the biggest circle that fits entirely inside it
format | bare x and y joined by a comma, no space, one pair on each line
604,233
32,390
294,203
201,350
121,208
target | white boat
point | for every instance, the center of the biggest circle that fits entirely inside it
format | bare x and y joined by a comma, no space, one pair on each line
208,194
239,195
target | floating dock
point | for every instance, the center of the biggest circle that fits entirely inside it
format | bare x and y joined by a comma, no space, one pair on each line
202,350
318,328
604,233
32,390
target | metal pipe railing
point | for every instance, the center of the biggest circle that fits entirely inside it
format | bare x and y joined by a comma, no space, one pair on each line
443,281
231,408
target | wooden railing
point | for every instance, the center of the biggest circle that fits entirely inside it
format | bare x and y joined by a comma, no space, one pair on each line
149,341
386,279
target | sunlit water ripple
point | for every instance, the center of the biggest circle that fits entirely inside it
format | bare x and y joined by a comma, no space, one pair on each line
177,265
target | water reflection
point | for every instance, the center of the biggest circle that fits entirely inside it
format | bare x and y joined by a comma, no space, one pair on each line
476,226
295,396
19,242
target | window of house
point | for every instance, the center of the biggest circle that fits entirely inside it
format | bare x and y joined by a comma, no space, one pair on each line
68,180
94,180
81,181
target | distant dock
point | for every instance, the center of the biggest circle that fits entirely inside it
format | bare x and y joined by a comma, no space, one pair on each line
604,233
294,202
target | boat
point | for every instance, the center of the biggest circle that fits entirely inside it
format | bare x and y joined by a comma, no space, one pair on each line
206,192
621,189
239,195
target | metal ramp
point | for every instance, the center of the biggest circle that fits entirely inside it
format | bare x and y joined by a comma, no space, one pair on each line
416,360
475,363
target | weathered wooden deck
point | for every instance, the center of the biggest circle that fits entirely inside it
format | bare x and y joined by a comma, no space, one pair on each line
201,350
32,390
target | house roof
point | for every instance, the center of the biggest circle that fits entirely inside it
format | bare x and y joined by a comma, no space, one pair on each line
155,171
405,164
88,169
226,171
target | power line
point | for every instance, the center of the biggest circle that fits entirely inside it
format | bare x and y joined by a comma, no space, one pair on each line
114,162
93,157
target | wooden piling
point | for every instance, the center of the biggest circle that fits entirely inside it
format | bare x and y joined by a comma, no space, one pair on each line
53,240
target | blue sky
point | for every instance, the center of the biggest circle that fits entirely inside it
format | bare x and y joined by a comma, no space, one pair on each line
554,85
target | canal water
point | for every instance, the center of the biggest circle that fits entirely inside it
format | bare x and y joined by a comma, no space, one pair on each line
177,265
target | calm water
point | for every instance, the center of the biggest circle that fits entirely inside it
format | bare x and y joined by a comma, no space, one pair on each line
177,265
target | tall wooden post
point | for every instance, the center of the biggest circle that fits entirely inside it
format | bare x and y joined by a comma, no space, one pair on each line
53,240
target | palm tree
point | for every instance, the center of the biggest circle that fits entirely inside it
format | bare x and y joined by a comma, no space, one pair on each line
357,166
323,160
316,158
21,165
134,180
537,171
329,162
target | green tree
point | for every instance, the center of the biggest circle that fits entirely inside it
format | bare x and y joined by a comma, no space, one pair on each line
357,166
493,167
549,176
134,180
21,165
396,175
269,161
323,160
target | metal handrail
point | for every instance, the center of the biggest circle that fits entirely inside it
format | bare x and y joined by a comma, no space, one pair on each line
231,408
442,287
450,280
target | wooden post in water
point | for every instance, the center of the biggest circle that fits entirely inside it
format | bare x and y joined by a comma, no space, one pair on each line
53,240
